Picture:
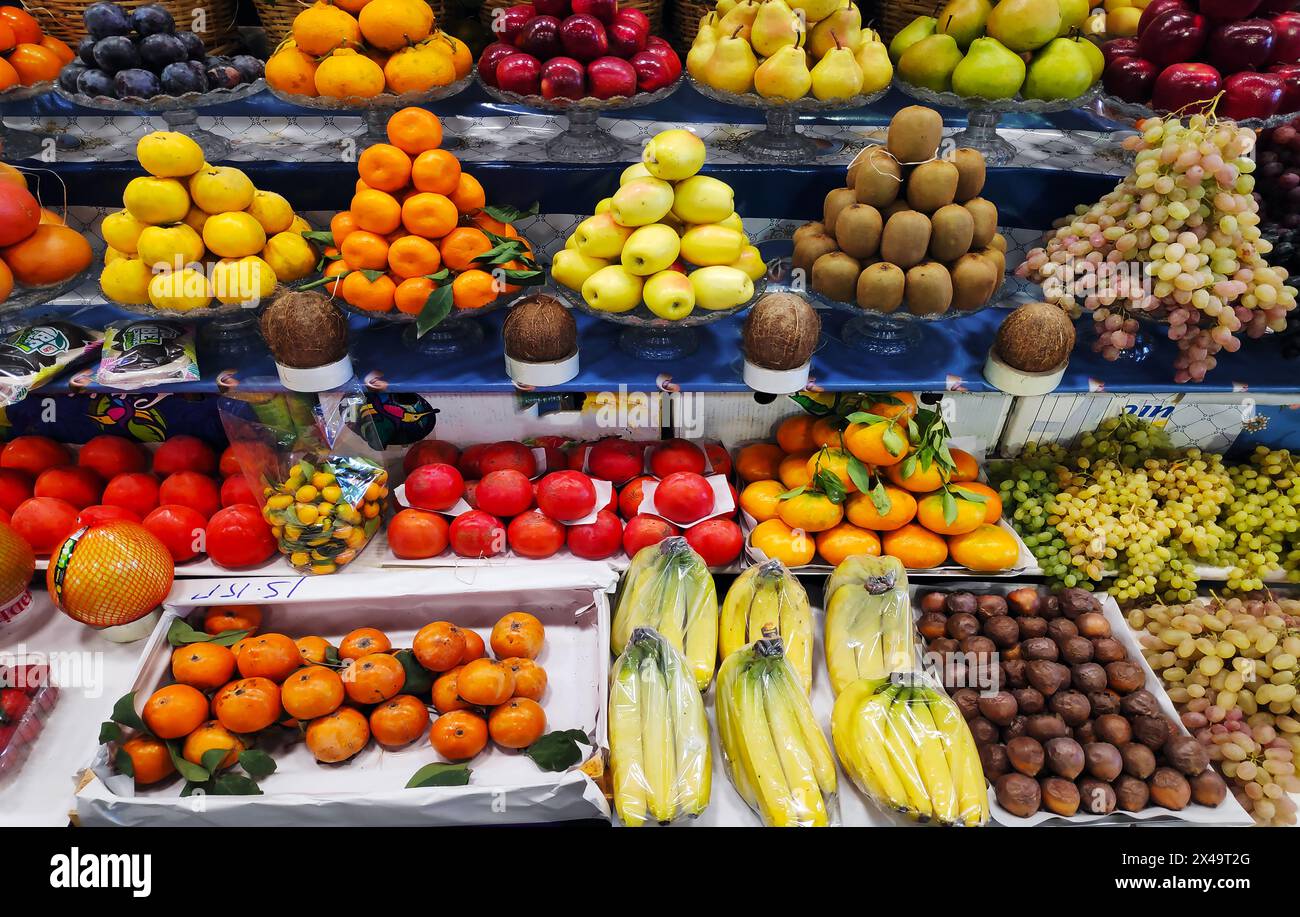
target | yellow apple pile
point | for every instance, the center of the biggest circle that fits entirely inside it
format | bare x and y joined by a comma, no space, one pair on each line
190,232
668,237
1115,19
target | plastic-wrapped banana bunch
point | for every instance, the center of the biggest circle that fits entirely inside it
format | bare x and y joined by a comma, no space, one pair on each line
906,745
769,596
775,753
659,747
869,628
669,587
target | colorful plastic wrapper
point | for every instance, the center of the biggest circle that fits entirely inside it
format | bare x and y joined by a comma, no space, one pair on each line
323,489
905,744
26,698
775,753
659,747
668,587
143,353
769,596
869,628
32,355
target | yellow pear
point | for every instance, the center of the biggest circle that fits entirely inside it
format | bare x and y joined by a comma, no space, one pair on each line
706,40
740,19
775,27
837,75
784,75
842,28
877,69
732,66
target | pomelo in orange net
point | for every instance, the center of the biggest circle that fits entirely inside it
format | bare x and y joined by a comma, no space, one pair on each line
110,574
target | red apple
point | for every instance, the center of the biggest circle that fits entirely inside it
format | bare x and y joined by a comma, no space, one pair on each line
1116,48
1182,85
557,8
563,78
507,23
1154,9
1237,46
1174,37
651,71
657,46
521,73
1290,74
625,38
1130,78
1286,38
634,16
540,37
583,37
491,56
609,76
1227,10
1251,95
604,10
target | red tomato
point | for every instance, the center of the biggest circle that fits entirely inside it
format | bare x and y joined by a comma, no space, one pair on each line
503,455
137,492
229,463
184,453
597,540
190,488
504,493
15,487
109,456
33,454
676,455
629,498
79,486
238,536
566,495
434,487
100,513
180,528
683,497
430,452
643,530
235,490
719,458
43,522
534,534
415,534
477,534
718,541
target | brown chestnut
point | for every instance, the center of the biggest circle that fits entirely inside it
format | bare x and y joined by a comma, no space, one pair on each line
1104,702
1023,601
1060,797
1125,677
1140,703
961,625
999,708
1029,700
1039,648
1075,601
1071,706
1026,755
1186,754
1017,794
1014,674
931,624
1048,677
978,646
1113,728
1151,731
961,603
967,701
1096,796
1089,677
1208,788
1102,760
1139,761
1169,788
1061,629
994,761
1031,627
1076,650
1064,757
1002,630
1046,726
1093,625
990,606
1131,794
934,603
982,731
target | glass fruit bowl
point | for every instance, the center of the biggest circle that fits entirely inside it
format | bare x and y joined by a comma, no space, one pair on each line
583,140
982,116
15,145
1131,113
458,332
225,330
25,298
780,140
179,112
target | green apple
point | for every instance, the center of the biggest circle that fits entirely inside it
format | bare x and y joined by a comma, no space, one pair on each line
613,289
670,295
751,262
703,199
572,268
642,202
673,155
633,172
651,249
720,286
599,236
712,244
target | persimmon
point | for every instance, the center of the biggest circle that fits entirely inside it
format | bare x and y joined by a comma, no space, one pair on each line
338,735
486,682
399,721
362,642
248,705
312,691
439,646
150,759
446,697
458,735
272,656
530,678
206,666
373,678
517,723
175,711
517,634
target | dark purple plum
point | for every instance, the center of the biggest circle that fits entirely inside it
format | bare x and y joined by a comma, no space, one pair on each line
249,67
105,19
193,45
152,19
183,77
86,51
96,83
136,84
157,51
117,52
223,77
69,74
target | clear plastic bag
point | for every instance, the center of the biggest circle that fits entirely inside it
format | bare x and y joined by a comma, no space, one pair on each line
143,353
668,587
659,747
769,595
869,628
905,744
322,488
774,750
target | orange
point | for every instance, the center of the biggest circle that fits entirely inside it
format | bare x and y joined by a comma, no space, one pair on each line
461,57
335,269
385,167
967,468
439,646
867,443
312,691
917,547
373,678
986,549
894,404
517,634
342,224
458,735
795,433
376,211
415,131
413,256
248,705
392,24
929,513
826,431
352,6
419,69
370,295
35,63
992,499
399,721
364,251
206,666
468,195
761,499
61,50
517,723
50,255
491,224
530,678
446,697
474,646
272,656
150,759
473,290
292,71
836,461
436,171
314,650
412,295
345,74
793,469
847,540
175,711
462,245
810,511
429,215
8,75
321,28
921,480
485,682
779,542
212,735
337,736
862,511
24,26
759,462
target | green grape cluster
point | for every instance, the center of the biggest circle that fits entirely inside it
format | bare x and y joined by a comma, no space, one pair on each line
1261,522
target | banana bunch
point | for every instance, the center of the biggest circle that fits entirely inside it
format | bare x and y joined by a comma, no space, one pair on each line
769,596
668,587
907,746
659,748
775,753
869,627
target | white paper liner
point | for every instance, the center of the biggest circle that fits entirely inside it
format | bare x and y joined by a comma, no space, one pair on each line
723,504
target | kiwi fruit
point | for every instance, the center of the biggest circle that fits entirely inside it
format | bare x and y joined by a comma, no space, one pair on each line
929,289
974,279
877,179
835,276
906,239
880,287
857,229
914,134
810,248
985,215
933,185
816,227
836,201
951,230
971,171
899,206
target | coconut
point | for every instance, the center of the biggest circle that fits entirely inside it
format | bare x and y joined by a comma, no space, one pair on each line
1036,338
540,330
781,332
305,330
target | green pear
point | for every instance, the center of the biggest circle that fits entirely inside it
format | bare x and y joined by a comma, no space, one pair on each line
964,20
930,62
1094,55
1059,71
910,34
1024,25
732,66
784,75
706,41
775,27
989,71
1073,14
837,75
741,17
873,60
844,24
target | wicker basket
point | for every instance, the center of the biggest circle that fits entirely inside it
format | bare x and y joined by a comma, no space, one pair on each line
277,16
895,14
62,19
653,9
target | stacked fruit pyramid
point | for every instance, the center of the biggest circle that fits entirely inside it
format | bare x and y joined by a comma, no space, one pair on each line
191,232
669,237
36,249
871,474
910,231
419,232
766,47
357,49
